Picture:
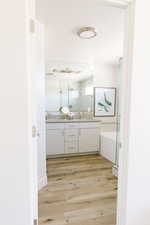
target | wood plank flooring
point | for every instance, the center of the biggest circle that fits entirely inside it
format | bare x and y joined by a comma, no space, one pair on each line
81,191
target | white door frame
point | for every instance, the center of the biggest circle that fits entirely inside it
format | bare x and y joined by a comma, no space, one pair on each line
125,112
128,6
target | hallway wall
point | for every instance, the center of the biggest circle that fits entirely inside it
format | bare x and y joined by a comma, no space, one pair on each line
15,175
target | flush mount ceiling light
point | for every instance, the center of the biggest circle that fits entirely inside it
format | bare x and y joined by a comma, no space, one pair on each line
87,32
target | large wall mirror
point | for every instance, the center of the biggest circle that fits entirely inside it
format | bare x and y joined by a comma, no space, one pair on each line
69,86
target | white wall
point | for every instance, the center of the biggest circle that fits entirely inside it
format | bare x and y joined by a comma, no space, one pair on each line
106,75
15,175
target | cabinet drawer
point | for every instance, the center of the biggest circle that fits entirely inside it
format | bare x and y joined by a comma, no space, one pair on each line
71,125
71,132
54,126
71,135
89,125
71,147
71,139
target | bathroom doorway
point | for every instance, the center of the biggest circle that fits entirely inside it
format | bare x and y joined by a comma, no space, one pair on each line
82,184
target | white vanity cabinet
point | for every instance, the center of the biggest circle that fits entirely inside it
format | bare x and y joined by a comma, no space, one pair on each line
72,138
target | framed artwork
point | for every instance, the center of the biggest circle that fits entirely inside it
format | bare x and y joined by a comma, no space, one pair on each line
104,101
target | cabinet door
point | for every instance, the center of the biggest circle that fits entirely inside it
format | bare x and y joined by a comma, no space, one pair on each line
89,140
55,142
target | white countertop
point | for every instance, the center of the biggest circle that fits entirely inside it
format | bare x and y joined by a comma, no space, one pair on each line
72,121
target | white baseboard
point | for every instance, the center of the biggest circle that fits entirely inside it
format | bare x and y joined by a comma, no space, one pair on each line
42,182
71,154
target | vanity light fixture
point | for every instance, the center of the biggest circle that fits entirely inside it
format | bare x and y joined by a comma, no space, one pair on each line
87,32
66,71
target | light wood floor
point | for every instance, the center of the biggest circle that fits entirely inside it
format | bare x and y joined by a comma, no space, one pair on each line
81,191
